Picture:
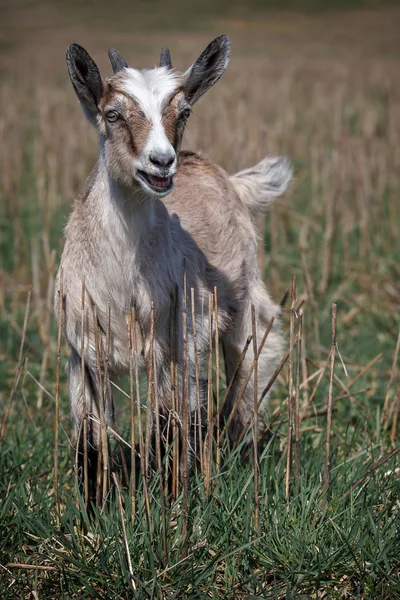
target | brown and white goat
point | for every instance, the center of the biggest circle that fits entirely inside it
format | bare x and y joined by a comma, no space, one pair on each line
148,214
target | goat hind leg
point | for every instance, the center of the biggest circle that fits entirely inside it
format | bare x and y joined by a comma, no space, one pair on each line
238,412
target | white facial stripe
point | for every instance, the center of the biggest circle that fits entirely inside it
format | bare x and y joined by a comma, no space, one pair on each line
150,88
157,139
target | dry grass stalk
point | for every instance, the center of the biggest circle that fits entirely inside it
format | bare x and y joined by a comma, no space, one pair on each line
57,398
76,467
44,390
121,442
167,458
174,396
176,447
386,412
329,406
27,407
99,475
269,384
310,378
185,420
317,413
198,438
342,385
291,390
305,385
217,382
255,419
276,373
347,395
18,370
304,247
178,421
36,287
103,457
33,567
297,309
329,233
154,396
150,395
156,412
336,379
210,401
365,370
246,381
306,382
106,394
139,415
132,413
297,402
99,383
306,404
83,386
45,324
42,376
232,381
121,512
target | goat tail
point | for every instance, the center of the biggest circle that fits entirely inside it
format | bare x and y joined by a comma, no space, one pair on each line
258,186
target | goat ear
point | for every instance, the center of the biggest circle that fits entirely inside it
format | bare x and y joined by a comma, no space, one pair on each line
86,79
165,58
117,61
207,69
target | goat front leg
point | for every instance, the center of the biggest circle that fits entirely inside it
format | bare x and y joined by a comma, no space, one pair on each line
86,399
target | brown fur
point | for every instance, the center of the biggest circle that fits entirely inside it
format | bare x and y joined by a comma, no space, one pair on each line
132,126
173,123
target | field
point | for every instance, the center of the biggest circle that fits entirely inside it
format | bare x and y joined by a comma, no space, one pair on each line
324,88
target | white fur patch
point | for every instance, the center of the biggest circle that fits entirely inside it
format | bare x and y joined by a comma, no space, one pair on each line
150,88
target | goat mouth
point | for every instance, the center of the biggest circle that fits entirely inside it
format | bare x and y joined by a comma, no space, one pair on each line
155,183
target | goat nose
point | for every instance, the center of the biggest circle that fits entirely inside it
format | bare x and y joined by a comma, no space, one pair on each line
162,159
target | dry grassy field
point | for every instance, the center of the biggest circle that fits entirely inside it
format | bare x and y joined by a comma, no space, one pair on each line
323,88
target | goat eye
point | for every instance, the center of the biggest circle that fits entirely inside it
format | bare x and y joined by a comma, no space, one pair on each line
112,116
186,113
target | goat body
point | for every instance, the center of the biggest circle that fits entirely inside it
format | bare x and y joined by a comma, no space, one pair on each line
151,217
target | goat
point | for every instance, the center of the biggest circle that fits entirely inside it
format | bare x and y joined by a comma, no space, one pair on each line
149,214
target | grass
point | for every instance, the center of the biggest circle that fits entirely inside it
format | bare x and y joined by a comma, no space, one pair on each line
331,102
